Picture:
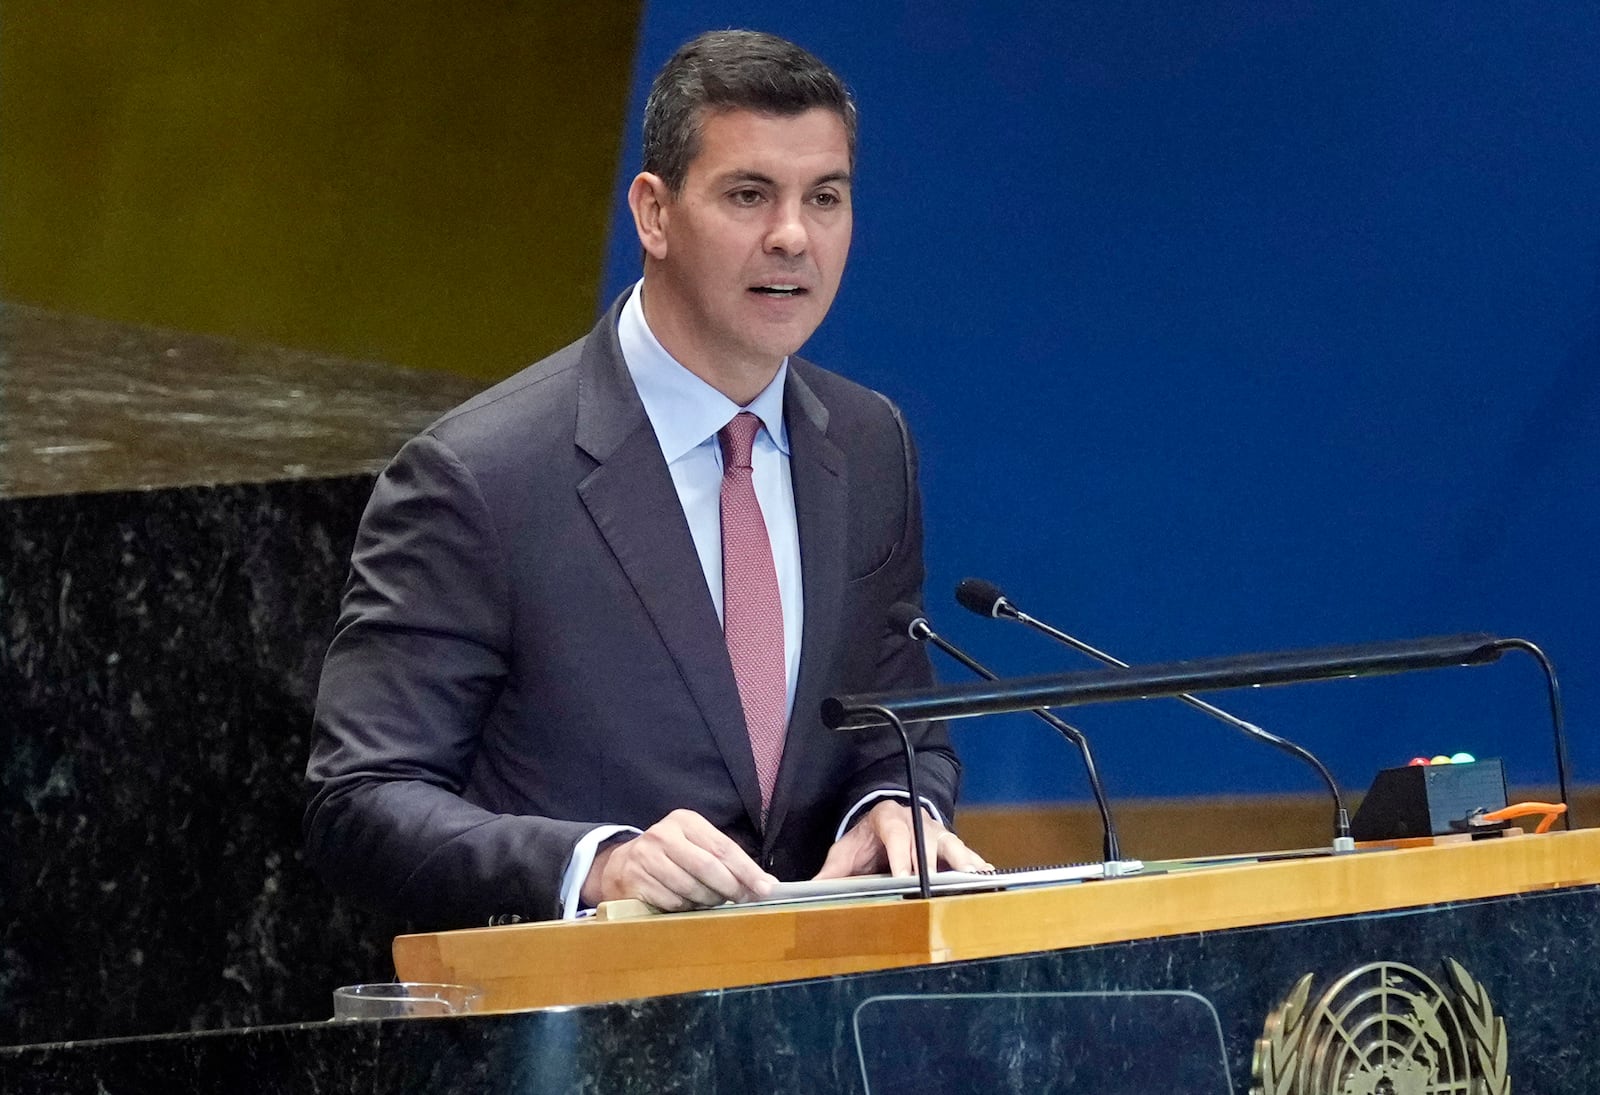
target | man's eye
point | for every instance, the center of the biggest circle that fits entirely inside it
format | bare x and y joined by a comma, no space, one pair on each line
746,197
827,199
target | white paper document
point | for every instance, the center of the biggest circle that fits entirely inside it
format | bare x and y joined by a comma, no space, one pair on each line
941,882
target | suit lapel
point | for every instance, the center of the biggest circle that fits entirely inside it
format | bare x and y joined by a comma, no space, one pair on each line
817,470
632,500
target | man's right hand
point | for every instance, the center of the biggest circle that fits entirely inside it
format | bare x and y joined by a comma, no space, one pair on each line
680,862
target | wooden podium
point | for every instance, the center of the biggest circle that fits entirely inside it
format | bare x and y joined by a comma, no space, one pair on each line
1166,982
592,961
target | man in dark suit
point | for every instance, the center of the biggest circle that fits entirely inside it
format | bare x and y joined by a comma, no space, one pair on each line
593,612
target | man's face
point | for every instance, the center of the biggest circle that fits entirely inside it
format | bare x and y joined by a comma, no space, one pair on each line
749,254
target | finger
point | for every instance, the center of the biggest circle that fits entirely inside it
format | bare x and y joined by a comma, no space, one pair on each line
899,842
645,870
750,881
713,875
839,861
954,853
669,896
857,852
716,860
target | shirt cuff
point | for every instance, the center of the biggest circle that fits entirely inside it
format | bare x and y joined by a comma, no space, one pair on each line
583,854
869,799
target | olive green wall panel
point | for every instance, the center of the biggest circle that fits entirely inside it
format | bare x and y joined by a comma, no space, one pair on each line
426,183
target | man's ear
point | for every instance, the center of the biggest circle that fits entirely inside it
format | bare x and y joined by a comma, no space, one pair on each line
650,201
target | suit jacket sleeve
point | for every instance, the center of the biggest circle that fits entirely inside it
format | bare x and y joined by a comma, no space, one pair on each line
419,655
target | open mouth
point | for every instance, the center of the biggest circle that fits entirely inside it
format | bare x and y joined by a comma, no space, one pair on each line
778,290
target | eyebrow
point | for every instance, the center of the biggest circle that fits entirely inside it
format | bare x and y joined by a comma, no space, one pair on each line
768,180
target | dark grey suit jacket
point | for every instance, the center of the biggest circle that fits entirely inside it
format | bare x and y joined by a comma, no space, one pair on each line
527,648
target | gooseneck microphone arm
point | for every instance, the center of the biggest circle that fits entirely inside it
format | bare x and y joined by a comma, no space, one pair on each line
1557,721
986,599
918,840
906,617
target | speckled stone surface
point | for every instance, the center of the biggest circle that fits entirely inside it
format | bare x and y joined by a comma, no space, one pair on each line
87,405
176,515
1536,955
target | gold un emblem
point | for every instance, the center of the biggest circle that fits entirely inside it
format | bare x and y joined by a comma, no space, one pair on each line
1384,1029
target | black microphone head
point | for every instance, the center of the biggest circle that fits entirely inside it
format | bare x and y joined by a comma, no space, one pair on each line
982,597
905,617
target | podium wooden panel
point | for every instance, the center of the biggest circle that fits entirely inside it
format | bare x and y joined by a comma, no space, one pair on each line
591,961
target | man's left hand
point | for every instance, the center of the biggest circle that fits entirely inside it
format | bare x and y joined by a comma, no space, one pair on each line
883,840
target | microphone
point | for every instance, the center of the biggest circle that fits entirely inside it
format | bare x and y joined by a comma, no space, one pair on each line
986,599
909,618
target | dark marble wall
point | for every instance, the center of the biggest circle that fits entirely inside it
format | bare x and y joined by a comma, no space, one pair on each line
1536,955
176,514
160,655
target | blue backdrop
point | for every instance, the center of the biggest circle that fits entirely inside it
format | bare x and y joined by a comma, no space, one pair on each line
1232,327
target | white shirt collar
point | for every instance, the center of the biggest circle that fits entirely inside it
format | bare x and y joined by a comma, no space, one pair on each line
684,410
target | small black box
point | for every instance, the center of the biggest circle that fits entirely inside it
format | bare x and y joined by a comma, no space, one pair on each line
1424,799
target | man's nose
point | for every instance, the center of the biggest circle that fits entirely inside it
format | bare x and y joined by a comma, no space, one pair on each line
786,235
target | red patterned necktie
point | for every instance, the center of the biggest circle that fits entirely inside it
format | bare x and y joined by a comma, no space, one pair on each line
752,611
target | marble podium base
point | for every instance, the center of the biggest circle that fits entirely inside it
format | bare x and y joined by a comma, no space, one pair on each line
1536,955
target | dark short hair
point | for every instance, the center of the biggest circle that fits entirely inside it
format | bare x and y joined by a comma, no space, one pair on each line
733,70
